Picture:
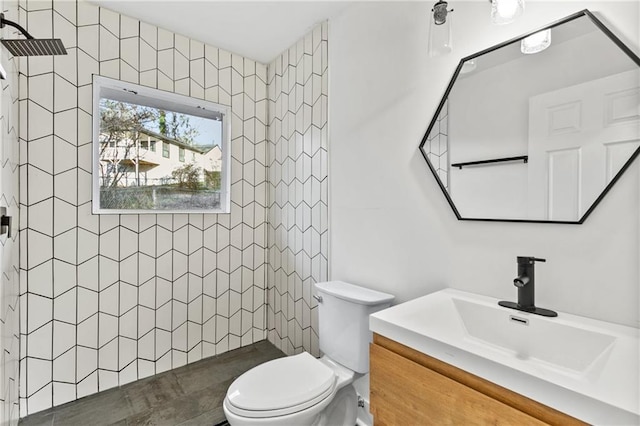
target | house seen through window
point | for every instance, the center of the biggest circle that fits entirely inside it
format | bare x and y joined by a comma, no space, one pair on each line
191,171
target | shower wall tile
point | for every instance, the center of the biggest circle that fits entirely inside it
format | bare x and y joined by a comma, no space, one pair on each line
437,146
200,282
297,190
11,168
114,298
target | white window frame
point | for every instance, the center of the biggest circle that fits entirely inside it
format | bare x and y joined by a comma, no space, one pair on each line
128,92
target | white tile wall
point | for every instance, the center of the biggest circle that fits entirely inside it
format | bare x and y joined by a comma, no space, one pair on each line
9,247
298,185
113,298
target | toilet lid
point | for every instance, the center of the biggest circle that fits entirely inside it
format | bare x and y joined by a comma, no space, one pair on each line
284,385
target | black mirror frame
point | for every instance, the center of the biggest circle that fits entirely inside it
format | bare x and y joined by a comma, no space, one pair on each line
607,32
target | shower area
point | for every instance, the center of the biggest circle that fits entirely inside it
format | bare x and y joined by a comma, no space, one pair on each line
97,301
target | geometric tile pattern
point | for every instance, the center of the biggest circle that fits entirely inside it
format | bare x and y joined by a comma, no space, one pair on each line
9,247
437,146
298,185
109,299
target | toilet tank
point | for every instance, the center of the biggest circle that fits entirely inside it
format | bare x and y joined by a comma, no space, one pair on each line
343,316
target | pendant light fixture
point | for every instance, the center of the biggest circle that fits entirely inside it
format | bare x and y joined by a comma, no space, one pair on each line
506,11
440,12
440,29
536,42
469,66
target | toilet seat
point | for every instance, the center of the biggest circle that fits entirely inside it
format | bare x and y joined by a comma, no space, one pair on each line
280,387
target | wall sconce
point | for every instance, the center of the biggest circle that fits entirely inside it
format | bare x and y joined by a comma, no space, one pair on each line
440,29
440,12
506,11
536,42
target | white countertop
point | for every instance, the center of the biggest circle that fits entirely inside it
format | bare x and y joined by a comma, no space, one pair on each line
607,393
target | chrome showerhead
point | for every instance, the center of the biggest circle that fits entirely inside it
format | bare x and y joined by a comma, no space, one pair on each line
31,46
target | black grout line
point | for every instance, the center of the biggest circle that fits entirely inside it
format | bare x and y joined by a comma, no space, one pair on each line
26,329
97,353
53,213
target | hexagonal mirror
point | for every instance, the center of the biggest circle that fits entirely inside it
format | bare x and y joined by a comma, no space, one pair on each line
539,128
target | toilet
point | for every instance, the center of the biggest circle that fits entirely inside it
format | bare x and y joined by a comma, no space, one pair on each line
303,390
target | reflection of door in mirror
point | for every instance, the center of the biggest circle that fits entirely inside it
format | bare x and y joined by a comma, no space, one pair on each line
579,138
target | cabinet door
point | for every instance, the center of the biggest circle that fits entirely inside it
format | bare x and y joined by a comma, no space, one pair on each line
406,393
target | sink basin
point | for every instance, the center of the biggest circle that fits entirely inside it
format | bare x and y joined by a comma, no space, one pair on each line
529,337
586,368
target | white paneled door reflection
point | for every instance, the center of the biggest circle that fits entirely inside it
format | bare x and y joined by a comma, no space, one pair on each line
579,138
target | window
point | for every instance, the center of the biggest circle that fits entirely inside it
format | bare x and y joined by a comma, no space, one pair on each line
130,177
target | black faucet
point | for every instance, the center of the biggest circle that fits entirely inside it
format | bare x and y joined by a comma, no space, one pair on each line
526,288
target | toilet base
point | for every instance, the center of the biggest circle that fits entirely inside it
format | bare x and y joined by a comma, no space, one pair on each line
342,411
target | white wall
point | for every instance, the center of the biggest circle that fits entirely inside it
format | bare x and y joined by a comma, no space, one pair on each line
391,228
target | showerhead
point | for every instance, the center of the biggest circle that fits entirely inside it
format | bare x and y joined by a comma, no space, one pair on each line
35,47
31,46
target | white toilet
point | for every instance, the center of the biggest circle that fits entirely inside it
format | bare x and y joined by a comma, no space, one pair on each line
302,390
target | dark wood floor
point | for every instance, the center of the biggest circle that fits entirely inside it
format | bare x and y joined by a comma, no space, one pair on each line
189,395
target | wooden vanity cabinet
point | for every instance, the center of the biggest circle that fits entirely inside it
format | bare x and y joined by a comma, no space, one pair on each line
411,388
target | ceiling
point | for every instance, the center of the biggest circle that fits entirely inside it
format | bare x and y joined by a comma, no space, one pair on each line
260,30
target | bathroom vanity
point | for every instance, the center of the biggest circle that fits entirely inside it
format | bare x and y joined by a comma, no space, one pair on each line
409,387
453,357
